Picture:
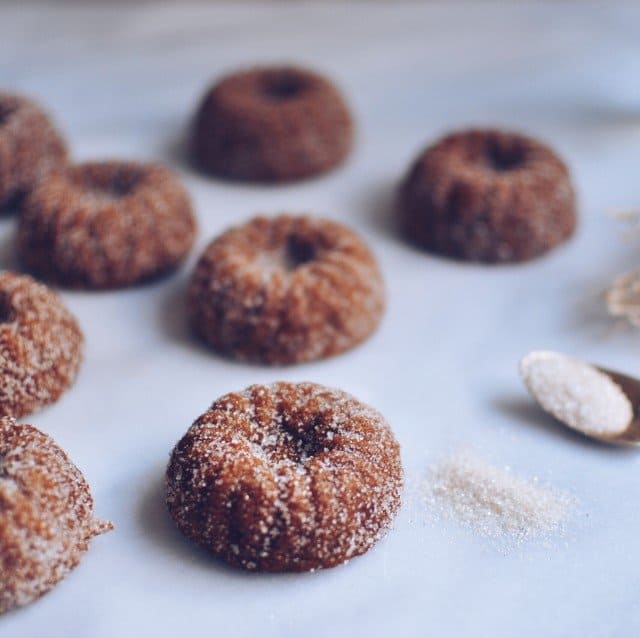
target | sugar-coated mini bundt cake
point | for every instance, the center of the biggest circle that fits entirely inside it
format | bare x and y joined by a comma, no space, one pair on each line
40,345
30,146
106,225
272,124
46,514
285,290
489,196
286,477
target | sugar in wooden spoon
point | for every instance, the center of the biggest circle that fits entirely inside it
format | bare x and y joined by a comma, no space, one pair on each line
597,402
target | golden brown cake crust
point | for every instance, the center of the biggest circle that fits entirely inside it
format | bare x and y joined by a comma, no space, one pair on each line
40,345
106,225
489,196
272,124
286,289
46,514
30,146
286,477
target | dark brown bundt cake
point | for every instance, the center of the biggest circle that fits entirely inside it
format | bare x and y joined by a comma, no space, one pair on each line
285,290
487,195
40,345
46,514
272,124
106,225
30,146
286,477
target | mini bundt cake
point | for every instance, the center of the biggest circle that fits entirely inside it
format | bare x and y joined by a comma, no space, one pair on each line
106,225
286,477
30,146
285,290
46,514
272,125
488,196
40,345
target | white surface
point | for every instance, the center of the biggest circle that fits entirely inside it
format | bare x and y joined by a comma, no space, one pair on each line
443,366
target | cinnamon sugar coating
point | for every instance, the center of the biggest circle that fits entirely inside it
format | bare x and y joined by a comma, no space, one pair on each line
40,345
285,290
488,196
30,146
106,225
46,514
286,477
272,124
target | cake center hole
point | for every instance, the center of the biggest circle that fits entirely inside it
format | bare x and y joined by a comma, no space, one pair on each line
504,158
283,87
108,190
291,445
5,113
7,313
306,449
298,252
295,253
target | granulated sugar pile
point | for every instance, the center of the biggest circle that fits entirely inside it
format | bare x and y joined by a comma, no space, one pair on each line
493,501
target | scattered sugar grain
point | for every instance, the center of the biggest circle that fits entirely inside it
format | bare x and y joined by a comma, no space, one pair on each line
493,501
576,393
